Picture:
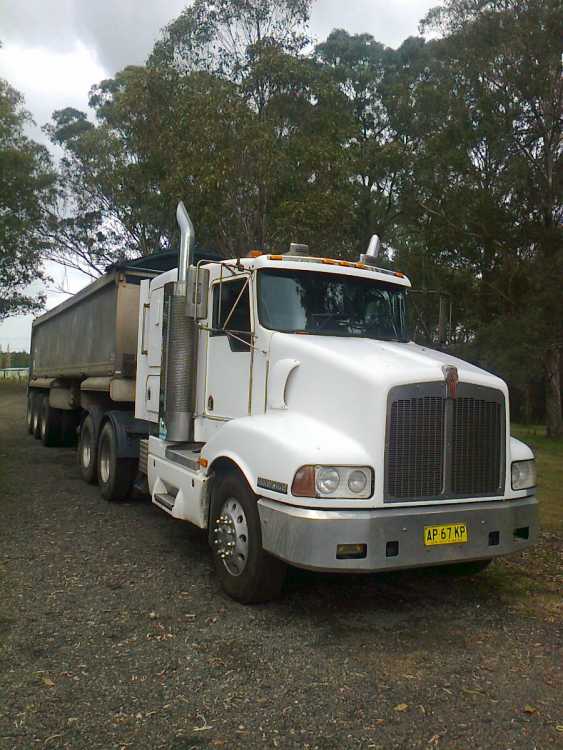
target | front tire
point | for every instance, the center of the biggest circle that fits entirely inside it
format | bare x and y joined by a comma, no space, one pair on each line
115,475
247,573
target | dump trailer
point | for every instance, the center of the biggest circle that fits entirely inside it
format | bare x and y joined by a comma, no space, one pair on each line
277,402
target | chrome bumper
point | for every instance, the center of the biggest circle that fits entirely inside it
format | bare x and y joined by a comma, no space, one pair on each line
394,537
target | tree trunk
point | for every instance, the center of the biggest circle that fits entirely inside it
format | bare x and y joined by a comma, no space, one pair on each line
554,420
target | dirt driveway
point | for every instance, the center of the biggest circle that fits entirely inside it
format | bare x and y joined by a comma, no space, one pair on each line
114,634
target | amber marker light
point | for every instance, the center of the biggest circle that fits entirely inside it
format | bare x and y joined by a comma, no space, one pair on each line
255,253
304,482
204,463
329,262
275,257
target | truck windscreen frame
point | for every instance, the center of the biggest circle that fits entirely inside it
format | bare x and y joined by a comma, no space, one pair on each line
326,304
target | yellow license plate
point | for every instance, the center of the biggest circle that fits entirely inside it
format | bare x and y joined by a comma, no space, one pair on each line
448,533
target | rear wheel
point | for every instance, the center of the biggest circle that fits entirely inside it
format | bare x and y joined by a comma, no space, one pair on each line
50,427
29,414
247,573
36,406
115,475
87,450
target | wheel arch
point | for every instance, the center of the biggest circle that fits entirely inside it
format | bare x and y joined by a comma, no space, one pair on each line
222,466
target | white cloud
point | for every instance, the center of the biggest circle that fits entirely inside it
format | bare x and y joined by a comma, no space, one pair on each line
388,21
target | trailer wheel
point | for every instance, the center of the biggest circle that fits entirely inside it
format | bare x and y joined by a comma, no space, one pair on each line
50,427
115,475
29,413
69,425
247,573
36,406
87,453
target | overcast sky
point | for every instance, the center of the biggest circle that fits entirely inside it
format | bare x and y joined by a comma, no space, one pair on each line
53,51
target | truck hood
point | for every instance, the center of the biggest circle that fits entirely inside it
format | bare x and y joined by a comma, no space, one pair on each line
342,385
372,363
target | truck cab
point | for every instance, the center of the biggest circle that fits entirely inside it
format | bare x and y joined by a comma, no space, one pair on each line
290,415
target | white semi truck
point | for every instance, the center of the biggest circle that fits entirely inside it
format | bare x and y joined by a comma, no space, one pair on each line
277,402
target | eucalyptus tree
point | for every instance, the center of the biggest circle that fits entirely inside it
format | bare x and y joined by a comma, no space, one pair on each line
486,187
26,190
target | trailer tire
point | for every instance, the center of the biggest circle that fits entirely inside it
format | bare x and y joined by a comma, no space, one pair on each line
115,475
234,520
50,428
87,451
69,426
29,413
36,415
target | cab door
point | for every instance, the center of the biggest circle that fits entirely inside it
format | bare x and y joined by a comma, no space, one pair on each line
229,351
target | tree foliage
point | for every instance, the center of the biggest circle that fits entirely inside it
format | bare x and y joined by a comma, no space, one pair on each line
448,147
26,188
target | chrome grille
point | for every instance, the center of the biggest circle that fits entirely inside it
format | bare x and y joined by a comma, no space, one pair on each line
439,448
476,446
416,447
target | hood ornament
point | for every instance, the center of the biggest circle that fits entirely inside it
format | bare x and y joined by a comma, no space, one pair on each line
451,377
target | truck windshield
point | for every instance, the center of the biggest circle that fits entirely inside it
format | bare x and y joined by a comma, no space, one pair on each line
324,304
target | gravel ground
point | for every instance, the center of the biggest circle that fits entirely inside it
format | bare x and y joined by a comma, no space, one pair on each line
115,634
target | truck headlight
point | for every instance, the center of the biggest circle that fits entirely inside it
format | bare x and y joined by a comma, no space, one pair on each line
343,482
523,474
327,480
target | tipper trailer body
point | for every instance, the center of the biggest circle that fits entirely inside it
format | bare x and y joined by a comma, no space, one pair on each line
277,402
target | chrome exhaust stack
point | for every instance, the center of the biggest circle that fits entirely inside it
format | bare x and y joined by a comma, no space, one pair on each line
177,375
370,258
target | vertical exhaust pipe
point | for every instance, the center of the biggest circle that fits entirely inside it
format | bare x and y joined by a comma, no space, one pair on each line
374,247
179,341
187,236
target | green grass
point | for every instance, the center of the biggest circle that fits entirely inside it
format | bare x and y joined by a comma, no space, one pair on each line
549,458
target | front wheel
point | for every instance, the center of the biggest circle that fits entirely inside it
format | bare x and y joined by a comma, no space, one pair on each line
247,573
115,475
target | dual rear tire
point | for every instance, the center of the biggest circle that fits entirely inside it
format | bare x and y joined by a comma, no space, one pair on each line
100,463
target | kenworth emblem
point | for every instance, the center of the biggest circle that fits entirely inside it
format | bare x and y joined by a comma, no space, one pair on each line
452,379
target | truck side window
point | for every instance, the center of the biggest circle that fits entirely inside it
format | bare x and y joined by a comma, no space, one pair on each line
237,320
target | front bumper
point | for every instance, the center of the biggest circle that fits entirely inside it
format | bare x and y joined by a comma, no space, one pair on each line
308,538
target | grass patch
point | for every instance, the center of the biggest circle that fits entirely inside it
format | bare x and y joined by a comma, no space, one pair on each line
549,458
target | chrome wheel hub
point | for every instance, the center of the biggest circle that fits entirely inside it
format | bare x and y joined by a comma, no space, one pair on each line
86,455
104,461
230,537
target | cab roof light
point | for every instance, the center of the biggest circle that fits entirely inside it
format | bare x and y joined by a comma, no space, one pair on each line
275,257
254,254
329,262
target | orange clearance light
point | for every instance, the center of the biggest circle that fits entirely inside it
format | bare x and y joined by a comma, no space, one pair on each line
255,253
344,263
329,261
203,462
399,274
275,257
360,265
304,482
